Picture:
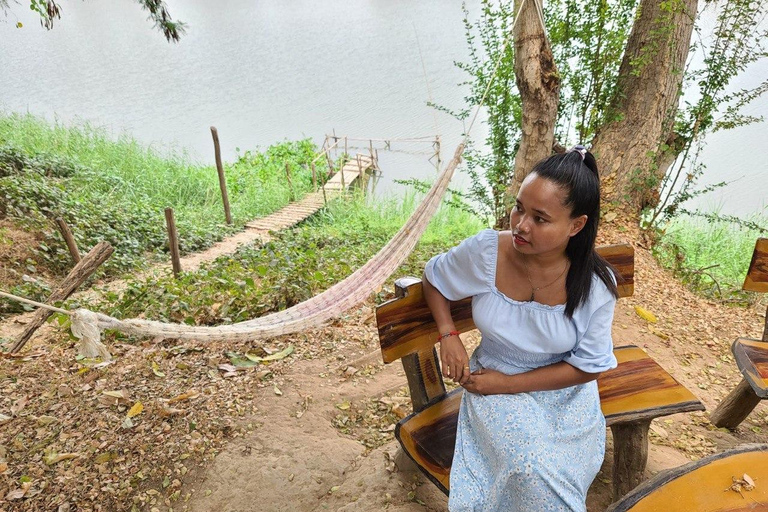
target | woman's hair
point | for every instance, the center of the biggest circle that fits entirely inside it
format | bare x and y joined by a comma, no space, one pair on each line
577,175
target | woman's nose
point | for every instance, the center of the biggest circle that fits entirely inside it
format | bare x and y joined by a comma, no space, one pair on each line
522,224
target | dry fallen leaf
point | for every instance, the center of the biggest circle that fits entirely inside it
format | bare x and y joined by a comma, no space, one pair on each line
748,479
53,457
17,407
343,405
3,467
646,315
184,396
277,391
137,408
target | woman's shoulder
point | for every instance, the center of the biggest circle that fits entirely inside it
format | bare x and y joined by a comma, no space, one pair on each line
600,293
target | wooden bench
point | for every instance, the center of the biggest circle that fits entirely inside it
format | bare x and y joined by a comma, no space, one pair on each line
708,485
751,355
631,395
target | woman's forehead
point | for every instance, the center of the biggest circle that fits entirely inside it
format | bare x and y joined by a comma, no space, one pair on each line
540,193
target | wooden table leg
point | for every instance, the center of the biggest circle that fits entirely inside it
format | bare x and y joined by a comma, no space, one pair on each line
630,455
735,407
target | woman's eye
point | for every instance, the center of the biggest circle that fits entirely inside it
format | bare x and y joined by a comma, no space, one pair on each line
539,219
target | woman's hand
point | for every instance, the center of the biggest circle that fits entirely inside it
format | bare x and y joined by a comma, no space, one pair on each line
454,359
487,382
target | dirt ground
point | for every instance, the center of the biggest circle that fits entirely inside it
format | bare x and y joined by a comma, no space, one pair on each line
312,431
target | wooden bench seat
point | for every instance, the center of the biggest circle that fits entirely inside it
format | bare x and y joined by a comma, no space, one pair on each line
705,485
751,355
632,394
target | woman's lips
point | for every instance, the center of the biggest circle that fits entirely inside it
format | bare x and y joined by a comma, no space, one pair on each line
520,240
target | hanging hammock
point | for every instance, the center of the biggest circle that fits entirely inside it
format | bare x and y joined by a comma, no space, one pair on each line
344,295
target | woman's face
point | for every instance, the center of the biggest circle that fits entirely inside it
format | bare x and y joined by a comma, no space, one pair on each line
539,221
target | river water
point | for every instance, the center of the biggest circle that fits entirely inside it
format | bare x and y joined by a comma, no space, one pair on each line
265,71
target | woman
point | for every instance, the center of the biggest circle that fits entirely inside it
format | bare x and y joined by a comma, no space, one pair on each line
531,435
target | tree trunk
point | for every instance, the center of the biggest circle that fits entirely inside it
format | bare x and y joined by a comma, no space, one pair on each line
539,85
645,103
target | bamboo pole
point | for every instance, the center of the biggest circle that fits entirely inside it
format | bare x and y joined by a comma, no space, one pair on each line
75,278
173,241
346,145
222,178
290,181
314,177
69,239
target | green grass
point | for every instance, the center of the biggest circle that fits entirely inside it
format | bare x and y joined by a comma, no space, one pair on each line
298,264
116,189
711,256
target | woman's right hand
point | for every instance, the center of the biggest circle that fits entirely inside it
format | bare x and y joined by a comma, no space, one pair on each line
454,359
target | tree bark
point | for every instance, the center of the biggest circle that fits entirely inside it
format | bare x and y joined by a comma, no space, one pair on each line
645,102
735,407
539,84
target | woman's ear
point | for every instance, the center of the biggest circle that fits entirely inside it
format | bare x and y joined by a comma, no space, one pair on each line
577,224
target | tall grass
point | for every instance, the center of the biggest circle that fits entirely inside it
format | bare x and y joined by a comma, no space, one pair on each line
116,189
711,256
123,170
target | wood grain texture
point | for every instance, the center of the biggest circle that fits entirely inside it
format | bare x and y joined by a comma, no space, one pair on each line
640,389
406,325
735,407
757,276
630,455
752,360
703,485
425,384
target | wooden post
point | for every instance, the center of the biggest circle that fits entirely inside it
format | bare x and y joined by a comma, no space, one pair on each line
341,169
222,178
329,160
290,181
314,177
69,239
735,407
173,241
75,278
630,455
346,145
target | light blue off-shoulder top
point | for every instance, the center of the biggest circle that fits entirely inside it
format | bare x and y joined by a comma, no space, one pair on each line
520,336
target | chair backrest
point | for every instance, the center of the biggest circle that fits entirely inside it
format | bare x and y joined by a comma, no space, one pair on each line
757,275
406,325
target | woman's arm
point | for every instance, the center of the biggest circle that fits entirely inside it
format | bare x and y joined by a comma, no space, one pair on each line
555,376
453,356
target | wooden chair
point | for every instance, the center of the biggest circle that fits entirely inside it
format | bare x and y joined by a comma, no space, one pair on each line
707,485
631,395
751,355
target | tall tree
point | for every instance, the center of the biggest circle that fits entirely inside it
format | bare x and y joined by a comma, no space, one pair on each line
539,85
644,106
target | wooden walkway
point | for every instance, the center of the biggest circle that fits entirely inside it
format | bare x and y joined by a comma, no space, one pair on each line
294,213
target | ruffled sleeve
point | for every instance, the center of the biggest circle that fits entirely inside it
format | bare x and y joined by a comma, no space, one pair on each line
594,351
467,269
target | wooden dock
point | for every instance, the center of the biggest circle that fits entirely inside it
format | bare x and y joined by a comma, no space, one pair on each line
294,213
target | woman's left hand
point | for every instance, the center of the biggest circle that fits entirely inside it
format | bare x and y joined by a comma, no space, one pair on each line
487,382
